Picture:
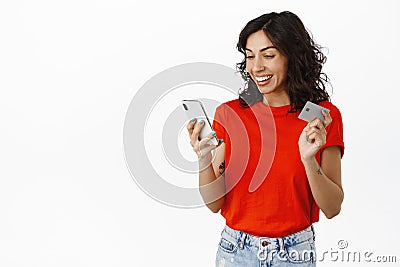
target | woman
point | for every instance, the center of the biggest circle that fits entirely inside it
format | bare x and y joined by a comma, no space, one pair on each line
269,213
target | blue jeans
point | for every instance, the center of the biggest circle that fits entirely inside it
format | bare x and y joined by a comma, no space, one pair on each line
238,248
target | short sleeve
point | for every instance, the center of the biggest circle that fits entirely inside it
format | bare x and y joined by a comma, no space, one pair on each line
334,130
219,120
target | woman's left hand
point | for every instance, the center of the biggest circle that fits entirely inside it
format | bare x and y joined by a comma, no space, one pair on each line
313,136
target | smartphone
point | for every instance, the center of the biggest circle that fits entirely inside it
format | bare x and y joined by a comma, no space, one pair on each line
311,111
194,109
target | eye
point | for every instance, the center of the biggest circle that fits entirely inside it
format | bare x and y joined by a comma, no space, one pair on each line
269,56
249,57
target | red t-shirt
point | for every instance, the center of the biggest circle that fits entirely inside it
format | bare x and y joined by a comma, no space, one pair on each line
268,193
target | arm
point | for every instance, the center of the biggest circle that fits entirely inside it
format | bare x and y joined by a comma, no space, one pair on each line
213,194
211,179
324,180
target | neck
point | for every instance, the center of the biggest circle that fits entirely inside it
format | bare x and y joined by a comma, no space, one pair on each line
276,100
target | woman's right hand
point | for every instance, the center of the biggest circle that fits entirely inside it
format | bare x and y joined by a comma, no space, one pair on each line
200,146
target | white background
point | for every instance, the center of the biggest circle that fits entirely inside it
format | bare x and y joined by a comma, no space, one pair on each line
68,71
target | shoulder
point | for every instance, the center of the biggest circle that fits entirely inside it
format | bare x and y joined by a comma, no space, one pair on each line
229,105
329,105
334,110
235,103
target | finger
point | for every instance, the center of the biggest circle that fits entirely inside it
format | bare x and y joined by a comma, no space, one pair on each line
327,117
315,130
190,126
209,136
220,142
199,145
194,137
311,134
305,130
303,136
204,147
317,139
316,123
191,123
311,131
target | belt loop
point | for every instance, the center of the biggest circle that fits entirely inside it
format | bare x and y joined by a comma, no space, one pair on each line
281,245
241,239
262,253
313,231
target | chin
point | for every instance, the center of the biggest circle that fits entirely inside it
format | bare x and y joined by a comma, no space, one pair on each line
264,90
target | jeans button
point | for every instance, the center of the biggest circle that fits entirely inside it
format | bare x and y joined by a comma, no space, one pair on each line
264,243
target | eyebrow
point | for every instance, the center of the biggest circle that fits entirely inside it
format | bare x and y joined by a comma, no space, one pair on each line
263,49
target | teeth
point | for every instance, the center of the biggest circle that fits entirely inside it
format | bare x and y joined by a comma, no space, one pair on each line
261,79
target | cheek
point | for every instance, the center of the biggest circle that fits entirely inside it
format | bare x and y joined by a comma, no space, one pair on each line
282,70
285,68
248,67
280,66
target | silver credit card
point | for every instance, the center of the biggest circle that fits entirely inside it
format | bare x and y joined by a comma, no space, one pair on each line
311,111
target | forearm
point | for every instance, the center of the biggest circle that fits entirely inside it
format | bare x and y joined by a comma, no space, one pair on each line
327,194
212,188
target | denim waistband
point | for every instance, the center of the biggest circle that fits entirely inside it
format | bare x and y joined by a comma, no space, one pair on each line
277,242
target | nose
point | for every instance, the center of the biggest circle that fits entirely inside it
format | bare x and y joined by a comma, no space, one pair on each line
258,64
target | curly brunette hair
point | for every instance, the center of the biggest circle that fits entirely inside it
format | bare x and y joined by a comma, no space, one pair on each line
305,80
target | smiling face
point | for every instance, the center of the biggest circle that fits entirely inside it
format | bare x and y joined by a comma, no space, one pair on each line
267,67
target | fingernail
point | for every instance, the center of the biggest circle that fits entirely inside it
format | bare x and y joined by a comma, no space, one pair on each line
325,110
221,140
308,140
201,122
192,120
213,133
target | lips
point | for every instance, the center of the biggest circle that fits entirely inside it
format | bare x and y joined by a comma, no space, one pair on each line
263,80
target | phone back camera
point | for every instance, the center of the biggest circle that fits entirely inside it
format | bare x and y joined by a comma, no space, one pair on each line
307,109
